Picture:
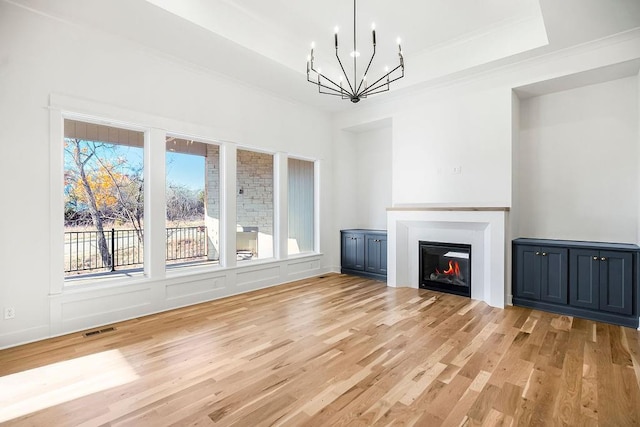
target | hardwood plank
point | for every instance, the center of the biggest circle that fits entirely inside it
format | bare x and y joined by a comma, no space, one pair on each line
338,350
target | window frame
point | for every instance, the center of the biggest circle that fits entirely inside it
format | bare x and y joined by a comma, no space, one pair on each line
179,270
276,211
56,185
316,206
155,131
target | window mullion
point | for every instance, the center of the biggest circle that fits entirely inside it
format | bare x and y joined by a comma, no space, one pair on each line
155,203
281,205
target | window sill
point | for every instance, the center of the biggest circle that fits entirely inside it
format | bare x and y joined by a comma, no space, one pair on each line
105,281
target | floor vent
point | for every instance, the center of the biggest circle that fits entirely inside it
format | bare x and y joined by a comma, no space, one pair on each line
99,331
322,277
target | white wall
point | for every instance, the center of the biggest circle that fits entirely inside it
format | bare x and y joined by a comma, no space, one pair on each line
373,193
471,133
40,56
345,182
578,163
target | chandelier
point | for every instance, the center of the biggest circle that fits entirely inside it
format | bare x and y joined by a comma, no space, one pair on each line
354,90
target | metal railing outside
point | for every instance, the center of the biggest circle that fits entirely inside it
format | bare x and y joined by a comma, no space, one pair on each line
125,249
186,243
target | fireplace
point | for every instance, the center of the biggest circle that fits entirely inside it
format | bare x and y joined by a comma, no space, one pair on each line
445,267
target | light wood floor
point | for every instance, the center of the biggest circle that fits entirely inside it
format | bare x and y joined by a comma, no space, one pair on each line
331,351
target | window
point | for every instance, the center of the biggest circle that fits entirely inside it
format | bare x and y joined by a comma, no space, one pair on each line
193,202
103,198
301,206
108,194
254,209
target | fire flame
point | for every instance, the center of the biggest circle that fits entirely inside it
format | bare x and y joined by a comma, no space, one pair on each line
453,270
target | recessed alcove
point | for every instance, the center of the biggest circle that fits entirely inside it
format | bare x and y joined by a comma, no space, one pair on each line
576,163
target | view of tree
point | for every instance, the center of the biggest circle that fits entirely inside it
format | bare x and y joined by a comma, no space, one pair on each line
104,187
184,203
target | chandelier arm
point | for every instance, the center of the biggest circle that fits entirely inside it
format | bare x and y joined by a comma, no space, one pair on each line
367,70
374,87
345,73
337,87
334,90
339,90
377,91
329,93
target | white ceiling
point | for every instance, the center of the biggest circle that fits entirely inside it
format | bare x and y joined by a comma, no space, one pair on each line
265,43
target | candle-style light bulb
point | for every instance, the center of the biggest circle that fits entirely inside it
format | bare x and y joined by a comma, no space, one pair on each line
399,41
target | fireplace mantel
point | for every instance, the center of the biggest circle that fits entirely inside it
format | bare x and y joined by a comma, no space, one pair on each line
482,227
418,208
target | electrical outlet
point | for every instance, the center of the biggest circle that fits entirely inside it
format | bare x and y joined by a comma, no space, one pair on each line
9,312
456,170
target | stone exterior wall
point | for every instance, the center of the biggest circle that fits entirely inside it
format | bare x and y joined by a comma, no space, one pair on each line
254,196
254,186
212,200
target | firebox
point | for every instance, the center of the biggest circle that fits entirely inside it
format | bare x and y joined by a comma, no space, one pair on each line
445,267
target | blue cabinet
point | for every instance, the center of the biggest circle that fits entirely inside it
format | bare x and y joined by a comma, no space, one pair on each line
598,281
376,253
602,280
364,253
353,251
542,274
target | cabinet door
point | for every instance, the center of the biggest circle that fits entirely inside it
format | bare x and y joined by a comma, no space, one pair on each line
616,282
383,254
376,254
353,251
528,272
584,278
553,280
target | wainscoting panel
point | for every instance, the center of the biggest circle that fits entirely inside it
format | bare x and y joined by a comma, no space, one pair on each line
195,288
307,265
80,309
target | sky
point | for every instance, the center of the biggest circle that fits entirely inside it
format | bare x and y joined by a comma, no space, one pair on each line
185,169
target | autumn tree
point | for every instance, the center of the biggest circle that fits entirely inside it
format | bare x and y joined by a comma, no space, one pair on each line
104,184
83,155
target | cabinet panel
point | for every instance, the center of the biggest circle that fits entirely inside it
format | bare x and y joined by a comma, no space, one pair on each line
584,278
372,255
553,281
353,251
616,282
383,255
376,254
528,272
